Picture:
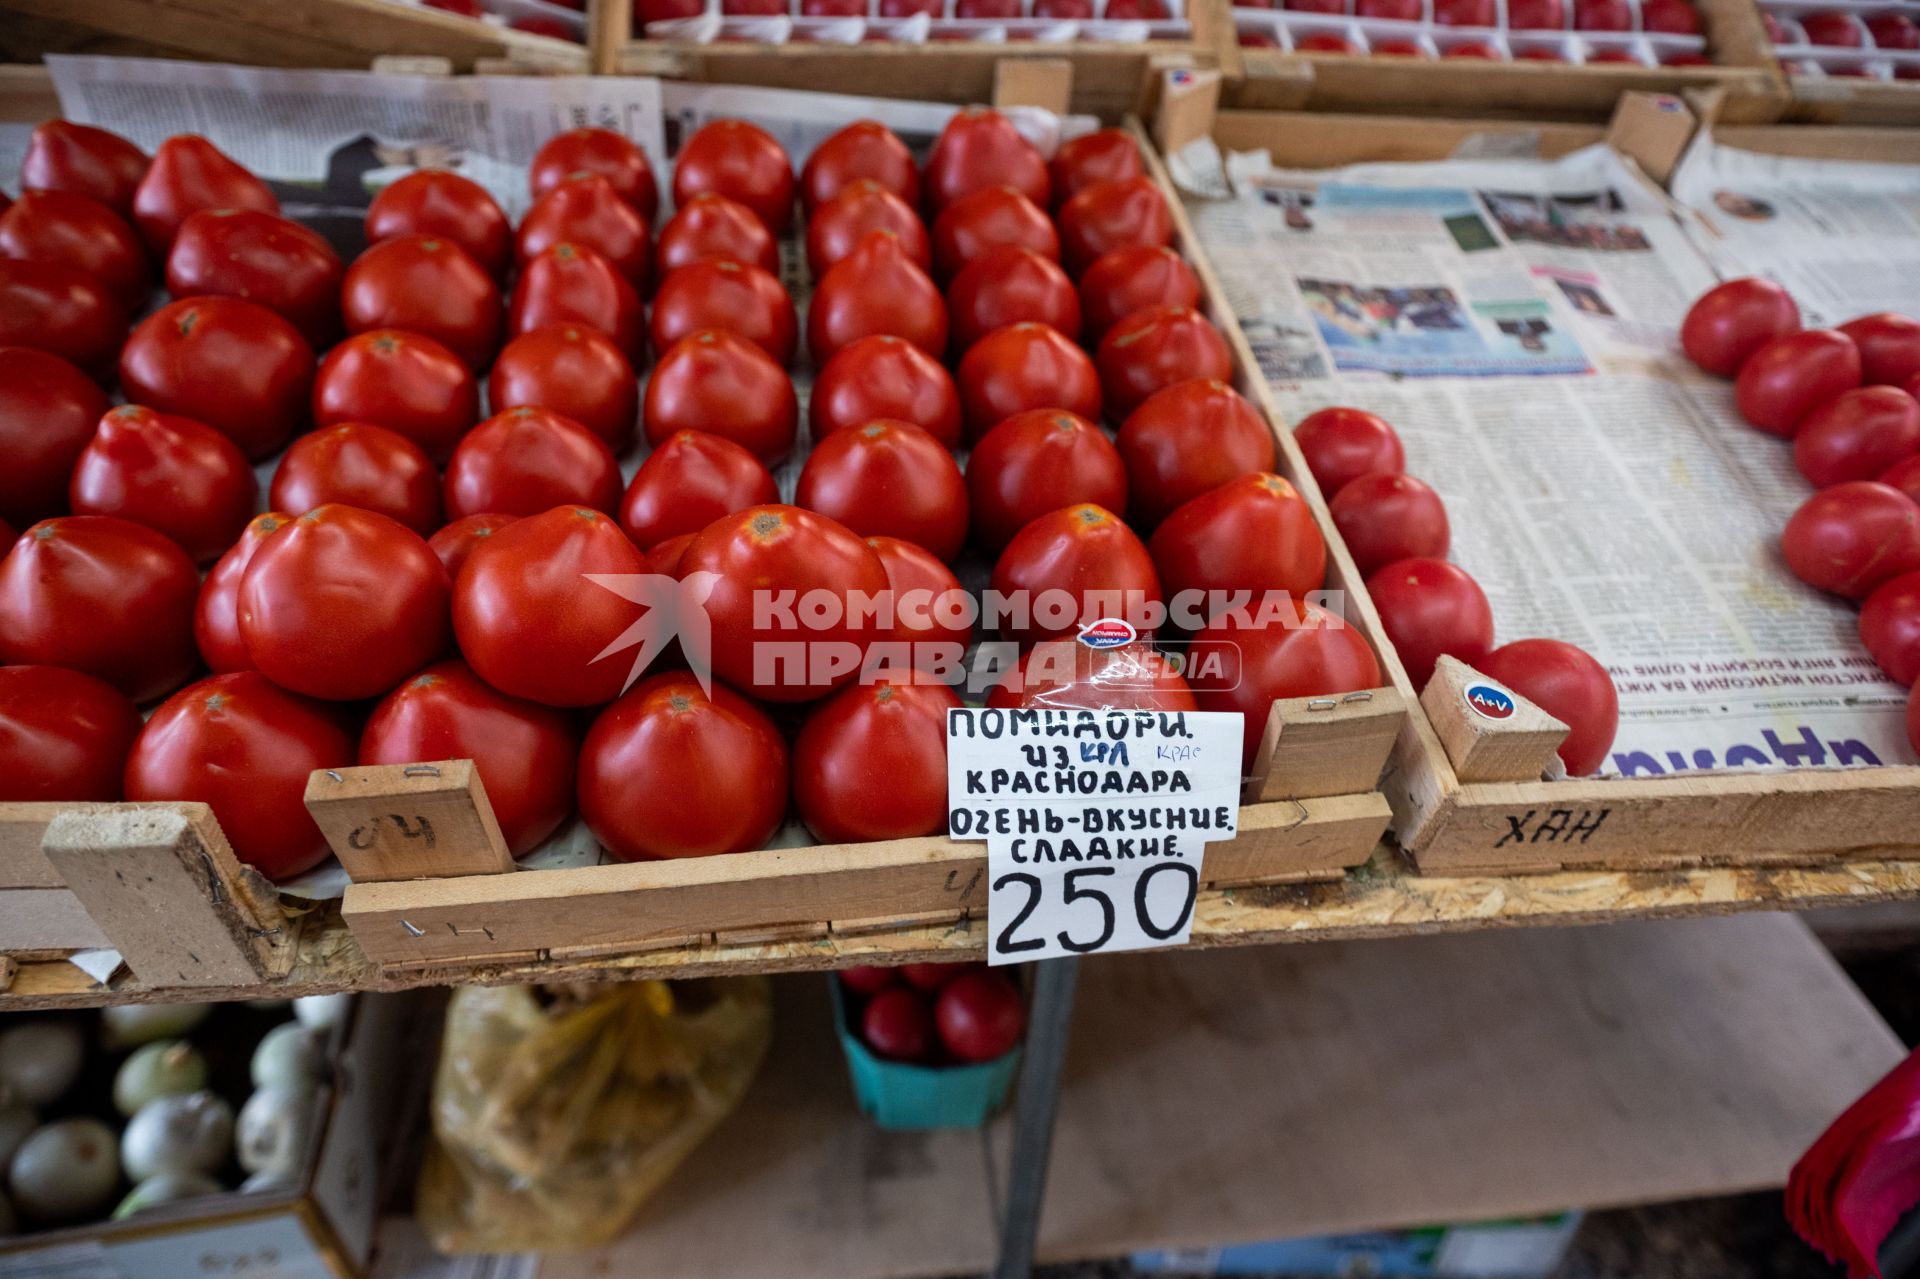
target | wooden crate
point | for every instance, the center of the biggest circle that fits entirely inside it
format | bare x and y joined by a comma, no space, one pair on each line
1469,799
1843,100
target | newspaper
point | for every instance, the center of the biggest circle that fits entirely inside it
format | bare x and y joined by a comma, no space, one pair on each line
1516,321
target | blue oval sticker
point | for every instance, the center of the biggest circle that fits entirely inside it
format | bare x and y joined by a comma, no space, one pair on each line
1489,702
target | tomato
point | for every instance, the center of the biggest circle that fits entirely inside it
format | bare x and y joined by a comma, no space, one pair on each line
524,752
1134,279
409,384
742,162
1850,538
359,464
1837,29
690,480
528,460
1153,349
446,206
1137,11
1522,15
571,284
986,10
1464,13
864,150
884,376
980,148
645,11
1025,366
670,770
1254,533
1342,444
1383,517
1187,439
103,596
82,160
836,227
71,230
1904,476
188,174
1245,661
724,384
888,479
584,209
1486,52
712,226
63,735
1567,684
1602,15
577,372
785,548
1066,673
1730,322
898,1024
664,559
876,290
172,474
1791,376
1857,435
602,151
979,1016
227,362
48,411
866,979
1889,347
1324,42
931,610
216,615
987,219
871,762
60,310
1063,11
1123,214
427,286
1011,285
729,297
1039,461
1429,607
266,259
1890,627
1893,31
1106,155
1071,567
1674,17
455,542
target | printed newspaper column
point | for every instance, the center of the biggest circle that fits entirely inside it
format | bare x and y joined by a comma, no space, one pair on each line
1095,821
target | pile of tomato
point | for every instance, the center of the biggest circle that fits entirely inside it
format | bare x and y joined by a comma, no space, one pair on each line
934,1014
1846,398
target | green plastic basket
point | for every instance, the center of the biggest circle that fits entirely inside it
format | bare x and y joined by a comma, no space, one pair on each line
902,1096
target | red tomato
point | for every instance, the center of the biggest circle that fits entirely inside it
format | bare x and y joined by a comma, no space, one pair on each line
742,162
1245,661
60,310
1071,567
866,979
1850,538
1522,15
1791,376
1066,673
188,174
1890,627
1428,608
1011,285
427,286
727,296
888,479
523,751
864,150
71,230
65,736
1324,42
711,226
1567,684
1153,349
712,770
987,219
986,10
888,377
725,385
216,613
48,411
359,464
898,1024
1463,13
1383,517
876,290
1602,15
979,1016
690,480
1258,39
645,11
1137,11
530,622
1254,533
1125,214
446,206
787,549
1487,53
933,976
82,160
1838,29
980,148
930,608
409,384
1187,439
456,542
584,209
577,372
1889,347
571,284
602,151
1731,321
1106,155
1893,31
172,474
1857,435
665,559
836,226
227,362
1545,54
1904,476
266,259
528,460
1038,461
871,762
1134,279
1675,17
1025,366
1062,11
1341,445
102,596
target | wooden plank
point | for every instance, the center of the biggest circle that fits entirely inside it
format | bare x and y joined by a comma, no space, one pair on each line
1046,83
408,821
1316,746
41,920
1517,748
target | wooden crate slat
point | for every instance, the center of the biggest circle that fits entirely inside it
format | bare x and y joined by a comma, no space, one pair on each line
38,921
408,821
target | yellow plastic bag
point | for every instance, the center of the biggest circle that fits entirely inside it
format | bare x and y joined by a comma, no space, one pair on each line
557,1112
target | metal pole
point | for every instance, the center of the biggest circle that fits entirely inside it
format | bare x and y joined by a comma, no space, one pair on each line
1048,1028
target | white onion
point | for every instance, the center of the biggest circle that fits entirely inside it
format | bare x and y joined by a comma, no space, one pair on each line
39,1060
274,1129
163,1068
177,1134
129,1025
65,1171
289,1056
166,1188
322,1012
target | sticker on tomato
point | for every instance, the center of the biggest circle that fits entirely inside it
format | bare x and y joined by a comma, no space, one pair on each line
1488,701
1108,632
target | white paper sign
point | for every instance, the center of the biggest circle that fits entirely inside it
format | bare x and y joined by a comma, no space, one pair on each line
1095,822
